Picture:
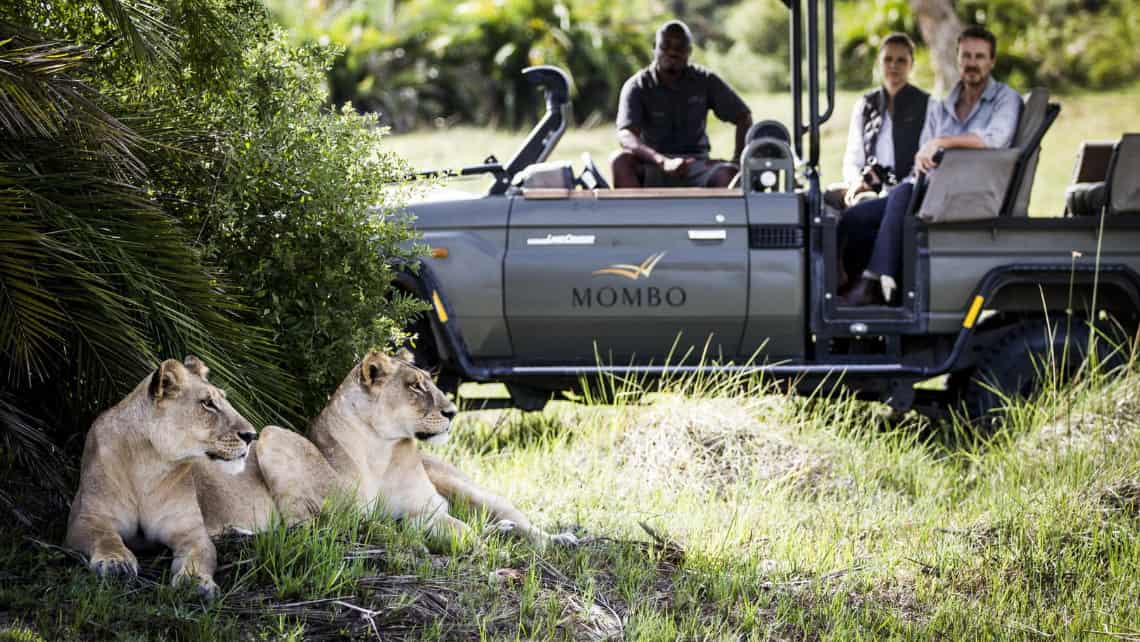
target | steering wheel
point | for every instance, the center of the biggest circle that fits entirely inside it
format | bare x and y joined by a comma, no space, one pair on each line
591,177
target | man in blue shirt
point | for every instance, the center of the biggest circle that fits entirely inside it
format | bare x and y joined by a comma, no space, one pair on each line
979,113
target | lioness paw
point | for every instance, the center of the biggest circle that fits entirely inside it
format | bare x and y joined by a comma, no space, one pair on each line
125,566
501,527
205,586
567,540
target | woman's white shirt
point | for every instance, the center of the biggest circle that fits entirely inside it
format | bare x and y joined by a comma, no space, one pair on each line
854,160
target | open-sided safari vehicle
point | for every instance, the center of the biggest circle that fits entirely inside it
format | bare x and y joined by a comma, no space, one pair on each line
552,277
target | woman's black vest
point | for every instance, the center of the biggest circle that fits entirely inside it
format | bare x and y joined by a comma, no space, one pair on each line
906,124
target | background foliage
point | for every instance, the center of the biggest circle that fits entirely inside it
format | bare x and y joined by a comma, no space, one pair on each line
420,60
171,183
435,62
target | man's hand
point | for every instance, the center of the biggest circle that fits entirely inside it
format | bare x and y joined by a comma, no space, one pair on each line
676,165
924,159
853,191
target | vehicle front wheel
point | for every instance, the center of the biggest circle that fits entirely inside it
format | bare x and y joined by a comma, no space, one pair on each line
1018,362
426,355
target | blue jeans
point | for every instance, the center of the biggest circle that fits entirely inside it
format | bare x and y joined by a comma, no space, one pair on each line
873,233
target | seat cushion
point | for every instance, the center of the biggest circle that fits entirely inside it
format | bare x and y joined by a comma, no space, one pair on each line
1085,199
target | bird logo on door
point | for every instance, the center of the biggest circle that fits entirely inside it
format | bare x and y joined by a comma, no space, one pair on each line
633,272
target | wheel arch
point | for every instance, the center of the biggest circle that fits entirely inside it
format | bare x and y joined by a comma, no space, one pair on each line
444,336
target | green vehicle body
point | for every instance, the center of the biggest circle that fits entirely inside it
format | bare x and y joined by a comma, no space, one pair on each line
545,288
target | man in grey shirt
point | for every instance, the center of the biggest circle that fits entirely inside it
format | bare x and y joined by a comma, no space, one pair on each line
979,113
661,119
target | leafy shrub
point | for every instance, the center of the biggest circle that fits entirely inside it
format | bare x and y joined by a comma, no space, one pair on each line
1063,44
756,58
171,183
294,202
98,281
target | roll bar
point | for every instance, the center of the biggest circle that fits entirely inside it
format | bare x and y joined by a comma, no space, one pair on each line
541,140
811,31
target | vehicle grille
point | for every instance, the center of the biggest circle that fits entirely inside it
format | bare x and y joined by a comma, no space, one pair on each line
775,237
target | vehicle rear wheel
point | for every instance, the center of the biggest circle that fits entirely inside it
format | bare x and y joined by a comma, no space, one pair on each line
527,398
1018,362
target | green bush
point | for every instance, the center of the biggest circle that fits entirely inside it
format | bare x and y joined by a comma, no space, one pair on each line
98,281
1063,44
756,56
295,204
172,182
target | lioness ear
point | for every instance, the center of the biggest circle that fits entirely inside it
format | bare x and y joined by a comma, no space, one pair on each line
375,366
167,380
195,365
406,355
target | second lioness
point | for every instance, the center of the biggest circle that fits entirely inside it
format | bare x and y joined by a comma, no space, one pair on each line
366,437
368,433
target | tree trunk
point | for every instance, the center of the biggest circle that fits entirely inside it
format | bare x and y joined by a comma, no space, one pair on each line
940,27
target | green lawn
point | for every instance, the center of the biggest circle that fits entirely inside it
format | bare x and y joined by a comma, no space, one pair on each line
1083,117
714,511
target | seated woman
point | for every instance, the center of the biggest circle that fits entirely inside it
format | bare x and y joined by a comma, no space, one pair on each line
885,125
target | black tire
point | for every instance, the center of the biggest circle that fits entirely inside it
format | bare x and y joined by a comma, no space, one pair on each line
1017,362
527,398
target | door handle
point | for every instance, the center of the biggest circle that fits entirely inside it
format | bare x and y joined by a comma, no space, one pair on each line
562,239
707,235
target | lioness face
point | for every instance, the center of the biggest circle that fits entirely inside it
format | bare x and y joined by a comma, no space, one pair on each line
405,396
193,418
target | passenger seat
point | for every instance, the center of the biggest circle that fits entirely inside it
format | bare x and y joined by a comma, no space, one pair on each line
978,184
1119,190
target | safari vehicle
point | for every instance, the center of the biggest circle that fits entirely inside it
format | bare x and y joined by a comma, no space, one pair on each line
551,277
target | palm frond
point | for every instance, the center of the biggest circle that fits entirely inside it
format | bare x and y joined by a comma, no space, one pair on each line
97,282
41,100
34,455
142,26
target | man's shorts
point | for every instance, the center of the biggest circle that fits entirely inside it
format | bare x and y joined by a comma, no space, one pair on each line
699,174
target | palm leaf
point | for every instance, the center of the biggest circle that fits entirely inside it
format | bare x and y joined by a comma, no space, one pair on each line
34,454
97,282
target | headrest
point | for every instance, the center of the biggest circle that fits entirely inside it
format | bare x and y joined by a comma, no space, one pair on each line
771,130
1034,106
767,129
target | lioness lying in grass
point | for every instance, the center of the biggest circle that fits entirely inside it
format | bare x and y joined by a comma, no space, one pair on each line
365,446
135,483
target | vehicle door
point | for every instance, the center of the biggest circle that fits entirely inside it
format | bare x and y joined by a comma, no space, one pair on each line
626,276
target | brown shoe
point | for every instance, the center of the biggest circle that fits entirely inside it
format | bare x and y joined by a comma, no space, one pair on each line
863,291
